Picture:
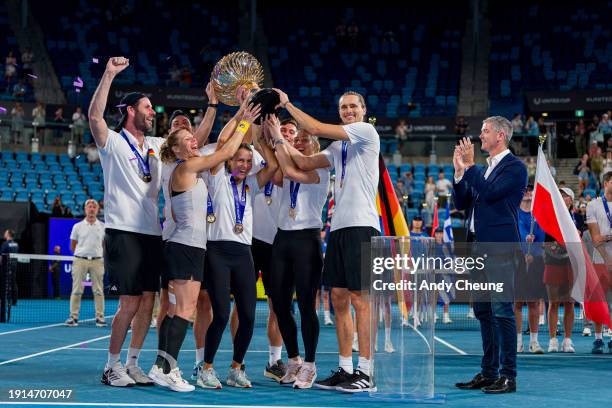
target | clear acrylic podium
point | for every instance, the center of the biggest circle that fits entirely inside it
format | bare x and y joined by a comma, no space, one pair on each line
402,319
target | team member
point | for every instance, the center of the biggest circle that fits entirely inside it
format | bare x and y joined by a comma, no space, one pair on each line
558,278
229,263
132,243
530,285
86,243
599,222
354,155
297,258
265,211
492,196
185,248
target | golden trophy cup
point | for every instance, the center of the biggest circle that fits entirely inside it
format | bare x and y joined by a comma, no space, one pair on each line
238,71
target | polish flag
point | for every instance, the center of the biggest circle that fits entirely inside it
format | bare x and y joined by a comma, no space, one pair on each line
436,222
551,213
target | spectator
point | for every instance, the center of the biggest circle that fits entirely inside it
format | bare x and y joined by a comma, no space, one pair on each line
408,180
59,121
198,119
461,126
175,75
583,171
597,164
580,138
78,125
566,145
402,194
517,124
57,209
607,163
443,188
54,269
593,148
531,168
162,125
595,135
430,191
19,91
10,69
38,120
223,119
531,127
17,115
27,60
93,156
553,170
605,126
401,132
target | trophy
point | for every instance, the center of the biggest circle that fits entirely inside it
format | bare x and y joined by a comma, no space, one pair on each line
240,70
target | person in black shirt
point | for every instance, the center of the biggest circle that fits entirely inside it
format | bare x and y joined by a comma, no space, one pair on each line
9,246
54,268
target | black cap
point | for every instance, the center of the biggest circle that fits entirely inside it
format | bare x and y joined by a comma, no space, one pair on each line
176,113
417,218
439,229
129,99
529,187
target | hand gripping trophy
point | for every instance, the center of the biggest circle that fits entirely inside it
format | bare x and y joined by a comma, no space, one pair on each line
240,72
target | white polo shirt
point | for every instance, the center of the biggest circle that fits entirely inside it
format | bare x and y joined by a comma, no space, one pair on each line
89,238
596,214
131,204
309,205
266,216
355,200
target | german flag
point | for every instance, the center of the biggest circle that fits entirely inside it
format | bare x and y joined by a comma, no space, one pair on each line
392,220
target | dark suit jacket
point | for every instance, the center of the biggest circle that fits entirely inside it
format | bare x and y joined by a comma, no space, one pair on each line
495,200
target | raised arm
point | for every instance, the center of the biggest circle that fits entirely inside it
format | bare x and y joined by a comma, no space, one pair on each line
312,125
287,165
264,175
97,124
203,131
307,163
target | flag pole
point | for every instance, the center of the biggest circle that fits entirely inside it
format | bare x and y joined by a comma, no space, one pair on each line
542,140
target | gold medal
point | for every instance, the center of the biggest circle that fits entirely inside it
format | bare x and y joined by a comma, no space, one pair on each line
210,218
292,212
268,200
238,228
147,178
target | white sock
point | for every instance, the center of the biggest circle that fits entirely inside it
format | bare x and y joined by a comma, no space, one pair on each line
533,337
364,365
446,315
132,357
599,336
199,355
275,354
327,315
112,359
519,338
387,334
355,337
346,363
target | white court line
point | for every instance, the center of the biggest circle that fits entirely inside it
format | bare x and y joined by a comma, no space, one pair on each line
450,346
47,326
53,350
118,404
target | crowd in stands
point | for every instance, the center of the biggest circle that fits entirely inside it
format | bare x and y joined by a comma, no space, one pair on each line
18,75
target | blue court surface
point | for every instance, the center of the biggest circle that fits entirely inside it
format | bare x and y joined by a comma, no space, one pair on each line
51,356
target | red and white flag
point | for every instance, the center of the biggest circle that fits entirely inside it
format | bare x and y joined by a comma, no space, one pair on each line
551,213
436,222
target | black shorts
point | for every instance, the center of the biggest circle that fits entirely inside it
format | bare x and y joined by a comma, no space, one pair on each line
262,258
529,280
134,262
184,262
346,264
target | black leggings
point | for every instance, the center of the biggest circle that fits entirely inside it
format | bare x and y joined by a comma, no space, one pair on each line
229,270
297,262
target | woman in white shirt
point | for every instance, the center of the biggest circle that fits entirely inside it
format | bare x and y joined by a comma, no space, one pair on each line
297,260
186,245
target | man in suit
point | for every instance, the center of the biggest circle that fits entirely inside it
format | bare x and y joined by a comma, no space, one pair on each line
491,197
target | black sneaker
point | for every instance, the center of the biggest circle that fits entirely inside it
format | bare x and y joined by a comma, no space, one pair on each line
359,382
610,347
275,372
337,378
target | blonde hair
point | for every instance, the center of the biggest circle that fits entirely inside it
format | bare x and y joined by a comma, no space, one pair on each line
91,200
166,152
357,94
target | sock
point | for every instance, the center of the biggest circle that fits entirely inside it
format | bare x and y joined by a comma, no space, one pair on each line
446,315
364,365
112,359
199,355
162,342
176,336
387,334
326,315
599,336
346,363
533,337
274,354
132,357
355,337
519,338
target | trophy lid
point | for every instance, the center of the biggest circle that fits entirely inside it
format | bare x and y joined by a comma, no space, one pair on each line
235,70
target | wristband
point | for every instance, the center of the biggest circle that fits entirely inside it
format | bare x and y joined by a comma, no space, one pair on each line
243,127
213,105
279,141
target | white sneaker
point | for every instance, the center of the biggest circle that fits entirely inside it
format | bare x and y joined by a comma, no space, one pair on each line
153,323
208,379
567,346
306,376
405,323
158,376
389,347
608,333
293,368
116,376
446,319
328,321
436,317
176,382
535,348
586,332
470,314
136,374
519,347
553,345
237,378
